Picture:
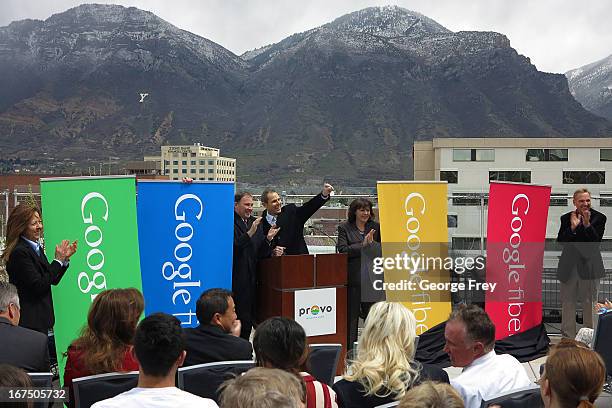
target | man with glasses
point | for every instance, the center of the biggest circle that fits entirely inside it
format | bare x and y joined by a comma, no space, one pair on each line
20,347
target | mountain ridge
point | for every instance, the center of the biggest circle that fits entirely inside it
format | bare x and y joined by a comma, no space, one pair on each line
345,100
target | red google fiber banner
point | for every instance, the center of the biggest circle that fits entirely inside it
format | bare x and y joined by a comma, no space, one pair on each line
515,250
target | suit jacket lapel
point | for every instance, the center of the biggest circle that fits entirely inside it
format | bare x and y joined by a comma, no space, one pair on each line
238,222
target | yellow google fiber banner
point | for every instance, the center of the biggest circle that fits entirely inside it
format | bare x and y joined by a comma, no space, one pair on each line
414,235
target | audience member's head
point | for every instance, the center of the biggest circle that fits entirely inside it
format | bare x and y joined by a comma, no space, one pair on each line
216,307
469,334
573,376
263,388
243,204
13,377
385,351
159,345
432,395
280,343
9,303
360,204
23,221
111,323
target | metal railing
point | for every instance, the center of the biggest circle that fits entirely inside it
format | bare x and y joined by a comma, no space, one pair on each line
476,204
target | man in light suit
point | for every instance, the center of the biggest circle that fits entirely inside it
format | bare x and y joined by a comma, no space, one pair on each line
20,347
580,266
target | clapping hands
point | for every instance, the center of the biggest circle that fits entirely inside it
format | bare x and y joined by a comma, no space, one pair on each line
369,238
64,250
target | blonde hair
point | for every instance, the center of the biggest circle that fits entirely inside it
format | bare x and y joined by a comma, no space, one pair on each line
575,374
385,352
262,388
581,191
431,395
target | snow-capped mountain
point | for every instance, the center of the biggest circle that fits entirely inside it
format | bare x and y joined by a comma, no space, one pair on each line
343,100
591,85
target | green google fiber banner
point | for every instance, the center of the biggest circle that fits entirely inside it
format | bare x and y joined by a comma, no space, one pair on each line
100,213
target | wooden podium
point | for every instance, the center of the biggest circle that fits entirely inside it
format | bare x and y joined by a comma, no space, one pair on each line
278,278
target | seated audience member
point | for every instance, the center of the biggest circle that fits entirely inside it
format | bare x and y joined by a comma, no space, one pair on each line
13,377
281,343
159,348
217,338
585,334
431,395
470,338
20,347
573,376
105,342
263,388
385,367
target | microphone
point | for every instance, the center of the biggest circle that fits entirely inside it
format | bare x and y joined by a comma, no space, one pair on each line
321,231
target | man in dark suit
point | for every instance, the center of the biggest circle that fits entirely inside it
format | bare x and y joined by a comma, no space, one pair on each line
250,244
580,266
217,338
20,347
290,220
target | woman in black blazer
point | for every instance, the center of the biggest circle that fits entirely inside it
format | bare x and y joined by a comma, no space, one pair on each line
359,232
28,268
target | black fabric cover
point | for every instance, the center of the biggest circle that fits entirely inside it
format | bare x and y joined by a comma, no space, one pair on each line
526,346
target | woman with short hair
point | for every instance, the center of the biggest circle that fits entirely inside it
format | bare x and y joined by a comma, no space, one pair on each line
357,234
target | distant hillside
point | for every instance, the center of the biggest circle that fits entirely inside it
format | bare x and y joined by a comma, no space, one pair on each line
343,101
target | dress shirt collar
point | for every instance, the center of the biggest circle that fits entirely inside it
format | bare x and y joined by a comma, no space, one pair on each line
271,219
481,360
35,245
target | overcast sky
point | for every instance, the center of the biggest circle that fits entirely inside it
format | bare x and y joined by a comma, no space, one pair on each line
557,35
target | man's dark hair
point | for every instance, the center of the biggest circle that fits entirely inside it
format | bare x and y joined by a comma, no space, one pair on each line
264,195
280,342
238,196
158,343
478,324
210,302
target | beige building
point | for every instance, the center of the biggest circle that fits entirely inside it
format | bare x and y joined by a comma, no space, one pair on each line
149,166
197,162
469,164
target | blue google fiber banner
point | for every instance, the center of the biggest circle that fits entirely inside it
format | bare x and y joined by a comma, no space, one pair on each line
185,234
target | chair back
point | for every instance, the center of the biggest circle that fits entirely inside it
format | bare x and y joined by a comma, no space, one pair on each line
204,379
323,361
94,388
525,397
388,405
603,339
41,380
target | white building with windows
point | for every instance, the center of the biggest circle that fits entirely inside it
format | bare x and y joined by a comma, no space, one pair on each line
469,164
197,162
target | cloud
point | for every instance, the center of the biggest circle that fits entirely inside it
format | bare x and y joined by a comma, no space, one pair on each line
557,35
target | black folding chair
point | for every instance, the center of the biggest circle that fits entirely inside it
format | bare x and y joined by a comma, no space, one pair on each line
42,380
94,388
601,344
323,361
525,397
204,379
